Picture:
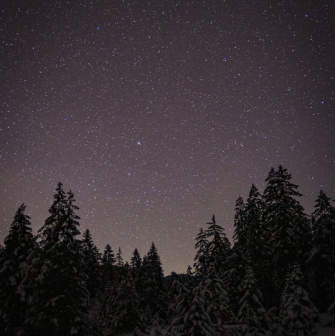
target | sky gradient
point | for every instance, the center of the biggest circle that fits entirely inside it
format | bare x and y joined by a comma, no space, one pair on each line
159,114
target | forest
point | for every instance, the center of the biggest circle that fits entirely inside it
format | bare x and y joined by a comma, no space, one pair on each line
275,279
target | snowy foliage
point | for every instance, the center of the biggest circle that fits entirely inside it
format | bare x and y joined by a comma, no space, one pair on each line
296,310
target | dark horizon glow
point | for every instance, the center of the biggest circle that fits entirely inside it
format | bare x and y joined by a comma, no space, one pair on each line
159,115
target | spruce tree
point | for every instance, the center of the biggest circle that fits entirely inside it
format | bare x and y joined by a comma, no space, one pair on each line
202,254
322,257
136,259
91,262
219,247
126,313
216,300
240,234
254,319
18,245
153,292
191,317
289,225
296,310
56,274
119,258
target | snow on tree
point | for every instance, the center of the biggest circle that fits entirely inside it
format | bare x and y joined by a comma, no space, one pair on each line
56,275
219,247
296,309
126,314
240,233
91,261
192,318
18,245
254,319
322,257
153,292
202,254
216,300
289,225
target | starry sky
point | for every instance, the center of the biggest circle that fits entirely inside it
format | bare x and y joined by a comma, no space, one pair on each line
159,114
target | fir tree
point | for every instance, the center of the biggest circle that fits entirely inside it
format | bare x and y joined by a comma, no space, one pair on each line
119,258
136,259
191,317
91,262
219,247
285,217
202,254
216,300
153,293
126,311
18,245
296,310
56,274
252,315
322,258
240,234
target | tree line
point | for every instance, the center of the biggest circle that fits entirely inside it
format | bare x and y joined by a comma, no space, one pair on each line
273,280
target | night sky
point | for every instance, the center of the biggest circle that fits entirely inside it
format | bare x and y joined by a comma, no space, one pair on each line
159,114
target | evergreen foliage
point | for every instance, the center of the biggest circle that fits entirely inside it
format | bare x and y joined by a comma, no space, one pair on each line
57,285
136,259
56,274
296,310
322,257
126,313
119,258
219,247
252,315
91,264
289,225
192,318
18,244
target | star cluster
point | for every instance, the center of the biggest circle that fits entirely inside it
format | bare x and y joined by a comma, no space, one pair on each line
158,114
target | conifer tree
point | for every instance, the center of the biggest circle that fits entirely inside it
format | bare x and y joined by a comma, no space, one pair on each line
153,293
18,245
191,317
296,310
91,262
240,234
126,311
322,258
202,254
56,274
253,317
119,258
216,300
136,259
285,217
219,247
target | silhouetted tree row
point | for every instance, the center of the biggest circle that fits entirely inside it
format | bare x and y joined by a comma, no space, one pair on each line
279,269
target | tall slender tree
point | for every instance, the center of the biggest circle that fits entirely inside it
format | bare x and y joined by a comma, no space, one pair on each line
322,257
288,223
18,245
219,246
202,254
91,261
56,274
